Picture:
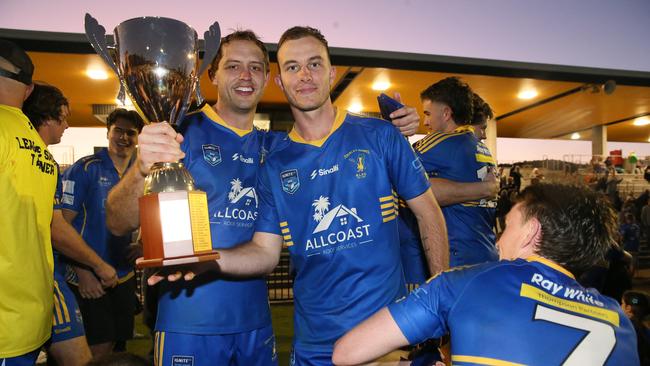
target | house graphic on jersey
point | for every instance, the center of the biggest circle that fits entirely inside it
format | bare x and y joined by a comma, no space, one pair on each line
340,212
237,193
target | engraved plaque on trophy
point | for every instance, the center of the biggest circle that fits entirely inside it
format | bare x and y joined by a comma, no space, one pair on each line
156,60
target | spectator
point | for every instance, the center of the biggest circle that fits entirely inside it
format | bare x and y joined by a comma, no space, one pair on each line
645,220
516,176
630,235
636,308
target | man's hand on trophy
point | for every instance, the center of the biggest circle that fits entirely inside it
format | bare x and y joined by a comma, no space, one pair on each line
158,143
185,272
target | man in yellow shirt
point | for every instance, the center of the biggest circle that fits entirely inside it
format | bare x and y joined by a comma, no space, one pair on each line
27,183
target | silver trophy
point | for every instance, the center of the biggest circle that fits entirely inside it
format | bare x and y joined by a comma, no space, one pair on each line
156,60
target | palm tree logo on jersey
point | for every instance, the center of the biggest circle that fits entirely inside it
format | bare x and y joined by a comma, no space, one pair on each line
324,217
321,205
237,192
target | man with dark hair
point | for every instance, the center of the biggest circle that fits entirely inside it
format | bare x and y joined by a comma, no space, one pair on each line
554,232
346,257
48,111
27,185
461,170
482,114
223,153
107,313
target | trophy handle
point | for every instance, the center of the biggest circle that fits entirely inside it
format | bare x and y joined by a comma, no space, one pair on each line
96,35
212,39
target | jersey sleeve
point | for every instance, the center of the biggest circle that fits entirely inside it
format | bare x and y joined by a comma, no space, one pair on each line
404,168
74,187
268,220
423,314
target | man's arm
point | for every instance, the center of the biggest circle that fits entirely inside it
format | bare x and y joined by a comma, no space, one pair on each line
373,338
433,230
67,240
255,258
449,192
89,286
158,142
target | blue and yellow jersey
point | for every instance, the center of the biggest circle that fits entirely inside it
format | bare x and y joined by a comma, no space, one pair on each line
27,184
334,203
85,188
534,307
224,162
460,157
59,266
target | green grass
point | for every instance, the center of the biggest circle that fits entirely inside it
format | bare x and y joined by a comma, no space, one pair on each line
282,315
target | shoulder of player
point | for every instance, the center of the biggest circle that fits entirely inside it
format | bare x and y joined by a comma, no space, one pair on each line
367,122
440,140
86,163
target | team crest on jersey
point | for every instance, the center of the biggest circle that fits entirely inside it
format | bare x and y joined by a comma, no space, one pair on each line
182,360
290,181
211,154
358,158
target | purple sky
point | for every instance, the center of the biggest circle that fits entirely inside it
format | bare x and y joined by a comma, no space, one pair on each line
597,33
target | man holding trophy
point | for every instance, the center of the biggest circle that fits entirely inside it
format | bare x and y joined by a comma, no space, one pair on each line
216,321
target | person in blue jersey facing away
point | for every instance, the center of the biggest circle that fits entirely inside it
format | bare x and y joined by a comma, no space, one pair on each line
48,110
328,192
531,297
462,175
461,170
107,312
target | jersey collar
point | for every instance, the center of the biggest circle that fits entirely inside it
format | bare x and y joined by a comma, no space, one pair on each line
550,263
210,113
464,128
338,121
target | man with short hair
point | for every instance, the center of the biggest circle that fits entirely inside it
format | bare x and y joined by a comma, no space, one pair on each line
27,184
48,111
530,296
215,321
461,170
107,313
223,152
337,170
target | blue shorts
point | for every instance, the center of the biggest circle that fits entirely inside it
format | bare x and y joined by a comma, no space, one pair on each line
67,322
254,348
28,359
308,357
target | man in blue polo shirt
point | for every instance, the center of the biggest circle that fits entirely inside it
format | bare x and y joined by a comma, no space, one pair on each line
529,301
107,313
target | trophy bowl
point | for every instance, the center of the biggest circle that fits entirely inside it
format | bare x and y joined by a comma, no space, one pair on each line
156,60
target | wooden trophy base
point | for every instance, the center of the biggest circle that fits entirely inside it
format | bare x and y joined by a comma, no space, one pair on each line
163,262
